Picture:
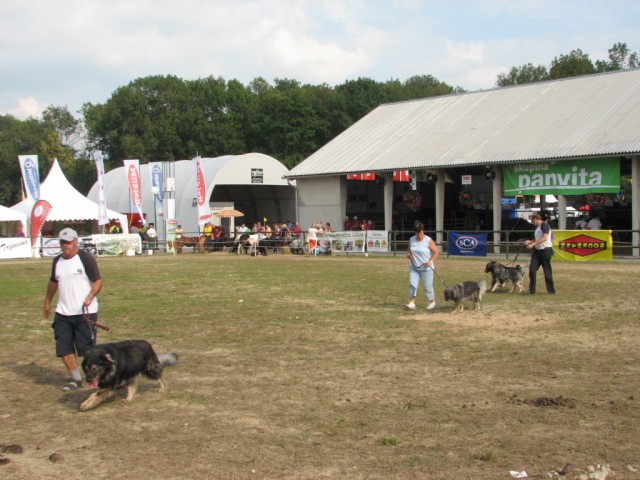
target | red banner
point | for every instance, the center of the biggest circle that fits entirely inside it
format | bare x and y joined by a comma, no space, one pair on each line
39,215
135,186
398,176
204,211
401,176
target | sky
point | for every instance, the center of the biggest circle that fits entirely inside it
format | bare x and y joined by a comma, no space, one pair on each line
70,52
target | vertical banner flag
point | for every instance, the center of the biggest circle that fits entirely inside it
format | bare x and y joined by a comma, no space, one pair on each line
103,218
133,177
155,170
30,175
468,244
204,211
39,215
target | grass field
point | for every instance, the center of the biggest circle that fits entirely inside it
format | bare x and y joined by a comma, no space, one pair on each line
307,368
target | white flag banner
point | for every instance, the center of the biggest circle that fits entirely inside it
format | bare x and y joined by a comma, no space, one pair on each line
132,171
103,218
30,175
204,211
155,171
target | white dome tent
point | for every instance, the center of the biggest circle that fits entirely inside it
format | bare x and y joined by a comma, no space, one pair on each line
253,183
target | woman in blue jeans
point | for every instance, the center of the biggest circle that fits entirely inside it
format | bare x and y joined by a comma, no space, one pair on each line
422,253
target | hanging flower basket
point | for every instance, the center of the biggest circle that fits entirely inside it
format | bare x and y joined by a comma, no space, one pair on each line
413,200
597,200
466,198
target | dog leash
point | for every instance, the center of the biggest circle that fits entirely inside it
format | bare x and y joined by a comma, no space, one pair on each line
517,254
91,323
432,269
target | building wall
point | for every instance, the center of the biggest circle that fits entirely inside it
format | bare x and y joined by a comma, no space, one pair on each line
322,198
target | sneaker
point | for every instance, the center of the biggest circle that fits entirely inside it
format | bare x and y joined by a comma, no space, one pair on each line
432,305
73,385
411,306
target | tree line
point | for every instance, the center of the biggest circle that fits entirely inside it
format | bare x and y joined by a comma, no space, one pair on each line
163,118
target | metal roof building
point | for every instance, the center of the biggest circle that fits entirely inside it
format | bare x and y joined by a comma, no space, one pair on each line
573,119
589,116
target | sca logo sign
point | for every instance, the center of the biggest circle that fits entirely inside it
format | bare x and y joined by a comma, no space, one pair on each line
582,245
466,243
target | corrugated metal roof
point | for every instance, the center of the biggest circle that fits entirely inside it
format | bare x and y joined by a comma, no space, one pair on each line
587,116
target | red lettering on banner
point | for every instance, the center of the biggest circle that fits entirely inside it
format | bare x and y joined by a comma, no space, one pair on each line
134,184
582,245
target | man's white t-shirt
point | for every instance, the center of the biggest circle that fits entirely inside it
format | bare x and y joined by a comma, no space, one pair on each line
73,286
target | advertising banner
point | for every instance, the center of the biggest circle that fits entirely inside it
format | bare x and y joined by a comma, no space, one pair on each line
377,241
155,170
204,211
583,245
30,175
109,245
132,171
50,247
103,245
600,175
15,248
103,218
342,242
468,244
39,214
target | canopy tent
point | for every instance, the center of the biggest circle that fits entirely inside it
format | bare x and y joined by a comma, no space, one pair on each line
253,183
67,204
8,220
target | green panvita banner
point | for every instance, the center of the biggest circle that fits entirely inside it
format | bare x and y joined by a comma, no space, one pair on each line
562,178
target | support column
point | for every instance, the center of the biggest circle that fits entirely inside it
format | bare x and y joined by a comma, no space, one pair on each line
562,212
635,204
439,205
388,200
497,208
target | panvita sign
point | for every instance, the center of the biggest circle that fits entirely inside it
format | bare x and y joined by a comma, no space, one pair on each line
563,178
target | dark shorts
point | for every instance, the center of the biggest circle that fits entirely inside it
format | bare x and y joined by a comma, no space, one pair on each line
73,334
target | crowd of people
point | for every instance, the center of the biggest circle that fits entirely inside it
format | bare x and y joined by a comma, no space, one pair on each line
276,230
591,223
355,224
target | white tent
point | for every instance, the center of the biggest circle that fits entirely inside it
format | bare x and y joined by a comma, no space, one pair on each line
67,204
8,217
253,183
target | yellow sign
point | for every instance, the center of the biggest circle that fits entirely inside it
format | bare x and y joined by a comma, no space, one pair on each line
583,245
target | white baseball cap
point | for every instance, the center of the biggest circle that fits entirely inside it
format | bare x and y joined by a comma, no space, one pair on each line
68,234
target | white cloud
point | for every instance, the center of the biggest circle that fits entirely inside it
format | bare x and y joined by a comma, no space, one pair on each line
27,107
74,51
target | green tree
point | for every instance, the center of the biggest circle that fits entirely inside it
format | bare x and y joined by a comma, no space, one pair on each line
423,86
69,129
528,73
574,64
361,96
620,58
286,122
17,137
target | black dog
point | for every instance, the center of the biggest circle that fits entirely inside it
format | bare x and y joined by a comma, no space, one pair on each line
464,291
114,365
500,274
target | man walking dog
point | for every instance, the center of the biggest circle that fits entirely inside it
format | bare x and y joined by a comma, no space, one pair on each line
76,279
542,247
